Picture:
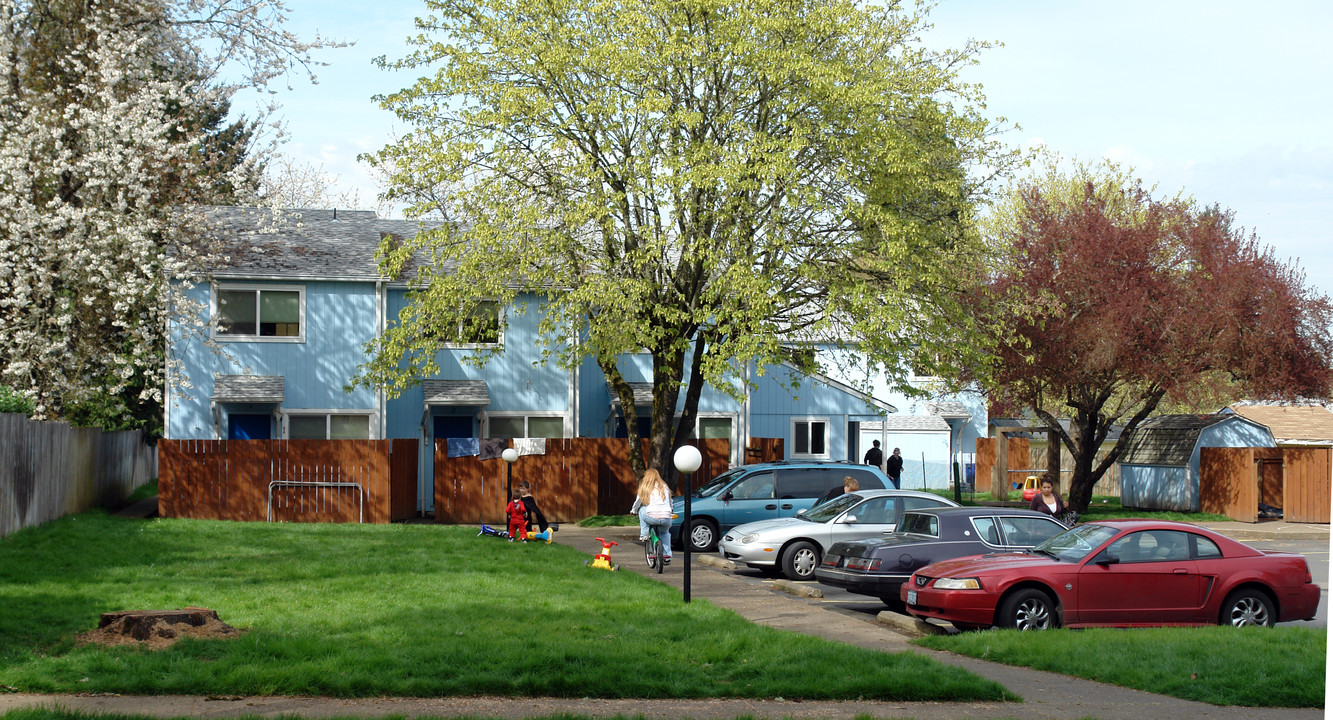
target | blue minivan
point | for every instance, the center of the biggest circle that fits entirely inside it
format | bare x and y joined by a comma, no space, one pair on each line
761,492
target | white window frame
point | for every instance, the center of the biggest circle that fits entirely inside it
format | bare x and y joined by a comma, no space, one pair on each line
795,422
565,425
734,460
229,337
500,318
372,423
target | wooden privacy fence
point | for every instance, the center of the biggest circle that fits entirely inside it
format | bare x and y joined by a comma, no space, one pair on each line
574,479
1229,482
52,469
288,480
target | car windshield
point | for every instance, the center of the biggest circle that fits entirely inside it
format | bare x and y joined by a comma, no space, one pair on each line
718,483
831,509
1076,543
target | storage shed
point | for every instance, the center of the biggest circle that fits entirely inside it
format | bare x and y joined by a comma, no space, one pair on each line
1159,469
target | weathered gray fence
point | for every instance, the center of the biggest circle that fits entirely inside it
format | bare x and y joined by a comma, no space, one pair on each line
52,469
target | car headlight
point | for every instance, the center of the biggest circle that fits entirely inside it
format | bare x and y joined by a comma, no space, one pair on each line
958,584
749,537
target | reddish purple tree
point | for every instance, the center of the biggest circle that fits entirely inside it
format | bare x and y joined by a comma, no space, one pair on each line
1113,301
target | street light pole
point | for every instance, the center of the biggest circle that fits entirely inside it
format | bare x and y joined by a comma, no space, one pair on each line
687,460
509,456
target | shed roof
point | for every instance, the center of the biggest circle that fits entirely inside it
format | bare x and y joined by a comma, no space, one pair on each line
896,423
1291,424
1167,439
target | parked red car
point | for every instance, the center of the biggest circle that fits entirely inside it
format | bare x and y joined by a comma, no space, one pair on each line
1118,573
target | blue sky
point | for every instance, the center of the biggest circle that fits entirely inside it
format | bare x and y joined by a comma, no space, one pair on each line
1230,101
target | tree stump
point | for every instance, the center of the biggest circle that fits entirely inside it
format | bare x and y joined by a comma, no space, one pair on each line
158,628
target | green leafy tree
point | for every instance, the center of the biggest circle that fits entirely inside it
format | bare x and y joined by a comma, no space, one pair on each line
703,180
1108,304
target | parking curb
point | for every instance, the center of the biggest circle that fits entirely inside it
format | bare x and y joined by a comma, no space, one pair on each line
715,561
794,588
908,624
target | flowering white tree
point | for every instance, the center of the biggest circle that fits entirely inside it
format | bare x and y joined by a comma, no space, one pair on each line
101,158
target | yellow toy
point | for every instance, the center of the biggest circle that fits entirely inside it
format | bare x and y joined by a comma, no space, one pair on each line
544,535
603,559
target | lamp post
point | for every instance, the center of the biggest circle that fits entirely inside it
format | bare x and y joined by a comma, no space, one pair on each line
509,456
687,460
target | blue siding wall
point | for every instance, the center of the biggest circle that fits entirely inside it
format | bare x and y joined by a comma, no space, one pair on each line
339,319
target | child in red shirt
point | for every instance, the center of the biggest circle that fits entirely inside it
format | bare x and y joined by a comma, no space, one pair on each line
518,526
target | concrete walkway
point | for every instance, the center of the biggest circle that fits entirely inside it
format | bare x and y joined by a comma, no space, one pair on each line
1045,695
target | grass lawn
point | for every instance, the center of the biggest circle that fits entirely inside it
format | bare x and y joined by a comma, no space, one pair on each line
412,610
1281,666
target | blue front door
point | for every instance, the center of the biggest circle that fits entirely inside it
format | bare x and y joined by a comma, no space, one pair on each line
249,427
453,426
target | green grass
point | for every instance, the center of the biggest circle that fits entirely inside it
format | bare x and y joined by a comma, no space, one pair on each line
600,521
1263,667
143,492
410,610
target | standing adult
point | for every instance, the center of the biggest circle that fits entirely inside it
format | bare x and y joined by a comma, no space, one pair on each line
894,468
1048,501
875,456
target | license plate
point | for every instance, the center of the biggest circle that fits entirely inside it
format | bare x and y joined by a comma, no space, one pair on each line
911,597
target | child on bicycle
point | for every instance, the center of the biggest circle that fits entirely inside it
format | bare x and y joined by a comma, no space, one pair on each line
518,524
653,505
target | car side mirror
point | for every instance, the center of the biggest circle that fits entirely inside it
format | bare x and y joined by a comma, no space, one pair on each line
800,512
1107,558
848,519
726,496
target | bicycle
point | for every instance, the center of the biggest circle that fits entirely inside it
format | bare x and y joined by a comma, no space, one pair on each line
653,549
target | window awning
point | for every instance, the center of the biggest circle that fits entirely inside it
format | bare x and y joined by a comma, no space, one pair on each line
643,394
456,392
248,389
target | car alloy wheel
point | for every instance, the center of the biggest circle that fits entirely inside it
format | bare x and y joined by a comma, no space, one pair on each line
1028,609
1244,608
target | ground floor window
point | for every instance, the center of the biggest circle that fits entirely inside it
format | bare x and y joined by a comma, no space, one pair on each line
521,426
328,426
810,437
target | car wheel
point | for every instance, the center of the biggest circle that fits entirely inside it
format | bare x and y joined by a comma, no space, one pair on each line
703,535
1245,607
1028,609
800,560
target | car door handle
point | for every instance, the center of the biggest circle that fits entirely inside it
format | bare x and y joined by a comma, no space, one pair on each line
770,507
1180,571
786,506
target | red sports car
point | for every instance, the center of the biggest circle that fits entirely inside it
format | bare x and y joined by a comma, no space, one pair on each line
1120,573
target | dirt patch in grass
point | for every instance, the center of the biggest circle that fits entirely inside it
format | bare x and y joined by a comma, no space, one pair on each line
157,629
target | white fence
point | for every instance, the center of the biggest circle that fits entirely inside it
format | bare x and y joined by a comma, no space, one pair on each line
52,469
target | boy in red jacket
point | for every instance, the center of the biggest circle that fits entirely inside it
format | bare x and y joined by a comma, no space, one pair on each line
518,526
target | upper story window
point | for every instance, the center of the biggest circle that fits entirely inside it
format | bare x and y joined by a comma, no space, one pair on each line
525,426
328,426
260,313
810,438
484,326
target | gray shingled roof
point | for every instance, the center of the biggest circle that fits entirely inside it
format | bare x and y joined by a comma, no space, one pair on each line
949,409
248,388
456,392
894,423
643,394
303,243
1166,439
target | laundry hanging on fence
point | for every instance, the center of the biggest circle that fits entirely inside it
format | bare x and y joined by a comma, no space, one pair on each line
463,447
492,448
530,446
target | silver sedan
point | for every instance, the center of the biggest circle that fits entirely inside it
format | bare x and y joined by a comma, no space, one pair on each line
795,545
